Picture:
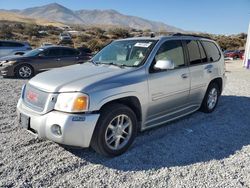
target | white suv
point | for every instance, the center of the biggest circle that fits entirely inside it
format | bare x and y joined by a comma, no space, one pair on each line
132,84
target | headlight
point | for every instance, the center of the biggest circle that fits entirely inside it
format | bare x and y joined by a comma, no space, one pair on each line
72,102
8,63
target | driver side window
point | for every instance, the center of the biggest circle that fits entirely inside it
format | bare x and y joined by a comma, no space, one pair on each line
173,51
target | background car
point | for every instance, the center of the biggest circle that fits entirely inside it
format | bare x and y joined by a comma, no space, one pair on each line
41,59
13,48
235,54
65,36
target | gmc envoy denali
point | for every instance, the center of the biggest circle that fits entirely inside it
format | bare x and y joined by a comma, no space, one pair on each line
131,85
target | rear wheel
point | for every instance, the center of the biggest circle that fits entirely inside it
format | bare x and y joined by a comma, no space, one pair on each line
24,71
115,131
210,100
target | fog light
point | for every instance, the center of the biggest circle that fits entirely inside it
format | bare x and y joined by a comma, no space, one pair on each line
56,129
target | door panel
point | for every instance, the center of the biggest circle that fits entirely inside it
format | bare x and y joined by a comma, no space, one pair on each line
201,71
70,57
51,58
168,90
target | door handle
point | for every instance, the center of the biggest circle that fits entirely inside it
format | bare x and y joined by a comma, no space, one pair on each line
209,71
184,76
58,59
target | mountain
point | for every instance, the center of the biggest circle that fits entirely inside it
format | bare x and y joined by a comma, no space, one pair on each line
10,16
58,13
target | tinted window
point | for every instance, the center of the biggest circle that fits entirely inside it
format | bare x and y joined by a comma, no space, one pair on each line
85,50
194,52
202,53
212,51
69,52
173,51
11,44
53,52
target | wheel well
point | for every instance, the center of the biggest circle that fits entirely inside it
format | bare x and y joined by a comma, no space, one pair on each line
131,102
218,81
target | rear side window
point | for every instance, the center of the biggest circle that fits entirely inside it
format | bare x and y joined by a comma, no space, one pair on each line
69,52
11,44
171,50
194,52
212,51
53,52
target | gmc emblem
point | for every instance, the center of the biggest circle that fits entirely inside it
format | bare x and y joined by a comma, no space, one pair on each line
31,96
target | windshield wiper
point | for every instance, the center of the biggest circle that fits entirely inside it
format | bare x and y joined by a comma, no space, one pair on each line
94,62
118,65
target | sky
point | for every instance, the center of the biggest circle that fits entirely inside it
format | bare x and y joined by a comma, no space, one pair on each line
211,16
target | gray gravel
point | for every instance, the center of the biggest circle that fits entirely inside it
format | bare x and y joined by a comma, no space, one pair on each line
200,150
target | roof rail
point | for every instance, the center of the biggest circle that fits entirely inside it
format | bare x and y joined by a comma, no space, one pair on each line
190,35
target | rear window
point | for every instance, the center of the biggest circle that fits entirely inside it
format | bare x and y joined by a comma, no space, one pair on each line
212,51
10,44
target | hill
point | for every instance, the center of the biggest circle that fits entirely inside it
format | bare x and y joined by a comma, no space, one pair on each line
58,13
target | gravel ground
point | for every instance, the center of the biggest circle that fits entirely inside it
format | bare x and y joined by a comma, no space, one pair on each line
200,150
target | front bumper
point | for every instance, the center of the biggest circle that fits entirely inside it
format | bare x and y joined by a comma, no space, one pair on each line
7,70
76,129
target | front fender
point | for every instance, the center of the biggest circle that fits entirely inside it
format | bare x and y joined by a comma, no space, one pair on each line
109,98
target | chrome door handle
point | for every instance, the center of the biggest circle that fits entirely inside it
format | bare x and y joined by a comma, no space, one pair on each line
184,76
58,59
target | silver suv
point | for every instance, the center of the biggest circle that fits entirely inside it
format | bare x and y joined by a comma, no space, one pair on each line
131,85
13,48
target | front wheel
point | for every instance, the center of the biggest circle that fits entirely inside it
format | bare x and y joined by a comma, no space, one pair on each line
211,98
24,71
115,131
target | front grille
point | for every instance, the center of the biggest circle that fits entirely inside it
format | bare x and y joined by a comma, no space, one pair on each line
35,98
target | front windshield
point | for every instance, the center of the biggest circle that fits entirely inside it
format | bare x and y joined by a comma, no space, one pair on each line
34,52
126,53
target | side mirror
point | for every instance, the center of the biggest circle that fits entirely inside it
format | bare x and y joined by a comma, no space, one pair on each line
41,55
164,65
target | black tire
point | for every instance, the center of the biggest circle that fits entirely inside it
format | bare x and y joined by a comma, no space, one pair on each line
98,142
18,74
205,106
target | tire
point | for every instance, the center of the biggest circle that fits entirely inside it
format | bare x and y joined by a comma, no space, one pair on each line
211,98
102,140
24,71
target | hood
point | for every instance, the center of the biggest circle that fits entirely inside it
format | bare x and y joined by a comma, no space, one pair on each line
74,78
13,58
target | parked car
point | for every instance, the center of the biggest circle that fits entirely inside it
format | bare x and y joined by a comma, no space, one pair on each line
47,44
40,59
85,51
234,54
241,54
65,37
130,85
13,48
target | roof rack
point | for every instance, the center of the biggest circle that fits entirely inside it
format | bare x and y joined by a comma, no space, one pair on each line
190,35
